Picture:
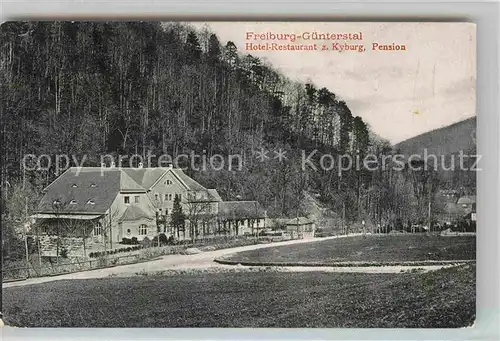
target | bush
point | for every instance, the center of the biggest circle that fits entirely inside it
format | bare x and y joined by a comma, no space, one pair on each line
163,240
130,241
64,252
145,242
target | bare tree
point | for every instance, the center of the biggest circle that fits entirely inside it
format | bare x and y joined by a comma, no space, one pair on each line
198,209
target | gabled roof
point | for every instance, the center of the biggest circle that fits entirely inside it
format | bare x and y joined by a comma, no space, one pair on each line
127,184
133,213
93,189
81,190
148,177
214,195
299,221
202,196
240,210
451,208
189,182
145,177
468,199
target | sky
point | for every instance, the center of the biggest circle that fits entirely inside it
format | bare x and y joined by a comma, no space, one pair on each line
400,94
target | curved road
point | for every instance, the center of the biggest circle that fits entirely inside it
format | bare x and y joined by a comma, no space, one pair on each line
201,260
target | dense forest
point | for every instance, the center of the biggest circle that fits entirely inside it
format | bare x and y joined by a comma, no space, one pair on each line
92,89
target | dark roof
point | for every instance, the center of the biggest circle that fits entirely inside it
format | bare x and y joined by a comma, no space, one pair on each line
80,186
133,213
240,210
299,221
93,189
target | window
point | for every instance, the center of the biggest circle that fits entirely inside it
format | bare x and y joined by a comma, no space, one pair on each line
180,196
170,197
143,230
56,202
93,185
91,202
168,182
97,230
74,185
136,199
126,200
258,221
166,197
72,202
156,197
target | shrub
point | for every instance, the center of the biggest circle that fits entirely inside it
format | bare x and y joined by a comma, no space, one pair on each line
161,239
134,241
64,252
145,242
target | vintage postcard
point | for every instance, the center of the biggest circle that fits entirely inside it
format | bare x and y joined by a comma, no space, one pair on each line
238,174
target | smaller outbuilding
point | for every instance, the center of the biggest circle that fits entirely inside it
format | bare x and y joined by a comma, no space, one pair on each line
301,227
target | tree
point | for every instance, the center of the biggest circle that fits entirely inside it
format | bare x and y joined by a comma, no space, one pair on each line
178,218
198,206
193,48
214,49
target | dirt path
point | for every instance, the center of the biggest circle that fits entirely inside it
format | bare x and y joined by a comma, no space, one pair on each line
204,261
201,260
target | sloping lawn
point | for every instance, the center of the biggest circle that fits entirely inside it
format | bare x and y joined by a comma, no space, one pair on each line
444,298
372,248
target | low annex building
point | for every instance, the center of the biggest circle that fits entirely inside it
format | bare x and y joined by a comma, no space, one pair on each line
89,207
301,226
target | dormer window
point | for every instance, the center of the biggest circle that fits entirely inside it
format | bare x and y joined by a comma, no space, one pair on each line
72,202
74,185
93,185
91,202
168,182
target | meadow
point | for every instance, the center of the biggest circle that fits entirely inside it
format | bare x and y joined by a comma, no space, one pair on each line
371,248
439,299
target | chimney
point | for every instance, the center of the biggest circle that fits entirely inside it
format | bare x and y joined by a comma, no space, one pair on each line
140,165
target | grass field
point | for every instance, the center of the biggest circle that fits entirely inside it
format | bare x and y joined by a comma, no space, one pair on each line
372,248
444,298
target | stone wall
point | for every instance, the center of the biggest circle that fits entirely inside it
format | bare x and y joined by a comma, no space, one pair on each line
74,246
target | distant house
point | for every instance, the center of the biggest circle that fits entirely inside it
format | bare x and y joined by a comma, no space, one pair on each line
467,202
241,217
458,210
95,206
301,226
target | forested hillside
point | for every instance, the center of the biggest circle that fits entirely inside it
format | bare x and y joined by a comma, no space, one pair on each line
150,88
443,141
